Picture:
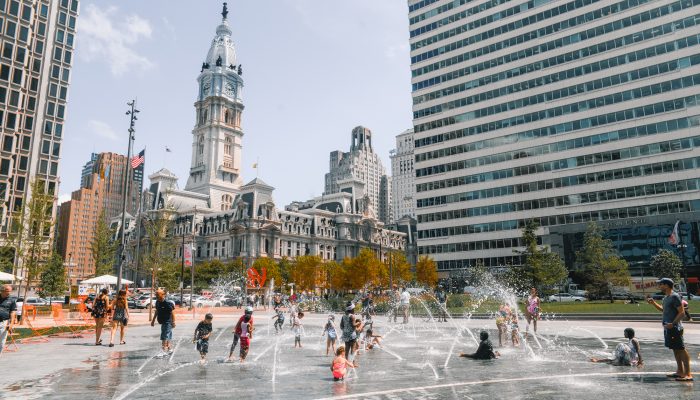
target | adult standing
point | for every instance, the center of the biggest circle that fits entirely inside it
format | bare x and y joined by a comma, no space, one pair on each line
120,317
166,318
673,313
441,297
347,326
532,310
395,300
8,311
100,309
405,304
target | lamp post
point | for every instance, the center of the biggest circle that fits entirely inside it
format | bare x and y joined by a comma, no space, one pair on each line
681,247
68,275
132,115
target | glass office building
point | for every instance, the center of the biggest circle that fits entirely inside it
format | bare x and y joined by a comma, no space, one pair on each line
562,111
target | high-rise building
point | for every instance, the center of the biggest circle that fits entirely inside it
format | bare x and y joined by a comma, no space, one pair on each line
563,112
37,39
403,175
101,196
363,165
87,170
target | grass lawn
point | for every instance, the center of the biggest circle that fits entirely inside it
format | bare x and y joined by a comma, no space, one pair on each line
587,307
22,333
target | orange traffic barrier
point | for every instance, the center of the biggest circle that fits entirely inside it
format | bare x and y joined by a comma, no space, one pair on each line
75,328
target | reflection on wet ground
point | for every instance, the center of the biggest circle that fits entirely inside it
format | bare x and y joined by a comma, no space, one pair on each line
417,361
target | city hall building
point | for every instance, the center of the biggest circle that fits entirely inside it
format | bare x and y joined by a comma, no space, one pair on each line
564,112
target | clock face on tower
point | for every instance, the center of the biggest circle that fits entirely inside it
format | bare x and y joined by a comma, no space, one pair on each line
230,89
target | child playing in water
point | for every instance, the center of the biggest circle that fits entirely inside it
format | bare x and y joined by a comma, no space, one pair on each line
372,340
514,328
501,323
280,320
625,353
297,327
246,336
485,350
201,336
329,330
340,364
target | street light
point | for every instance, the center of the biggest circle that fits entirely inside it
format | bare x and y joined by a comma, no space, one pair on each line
132,115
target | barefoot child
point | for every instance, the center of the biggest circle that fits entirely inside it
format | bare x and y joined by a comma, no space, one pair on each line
485,350
372,340
340,364
331,333
246,336
625,353
280,320
201,336
297,327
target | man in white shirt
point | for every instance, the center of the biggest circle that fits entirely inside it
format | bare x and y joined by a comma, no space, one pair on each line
405,304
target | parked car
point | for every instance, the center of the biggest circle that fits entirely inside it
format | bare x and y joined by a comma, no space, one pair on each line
206,302
565,297
693,297
144,302
658,296
174,298
132,302
36,301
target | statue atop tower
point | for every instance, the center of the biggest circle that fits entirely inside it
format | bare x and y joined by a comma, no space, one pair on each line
217,135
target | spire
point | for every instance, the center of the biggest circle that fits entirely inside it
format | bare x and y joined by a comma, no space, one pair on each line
224,13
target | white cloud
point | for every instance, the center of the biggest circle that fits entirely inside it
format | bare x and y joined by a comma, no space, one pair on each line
102,129
107,37
396,50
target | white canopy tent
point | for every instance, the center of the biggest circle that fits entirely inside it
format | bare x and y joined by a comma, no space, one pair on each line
5,277
105,280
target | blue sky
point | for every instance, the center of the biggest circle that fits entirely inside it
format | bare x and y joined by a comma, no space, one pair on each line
313,70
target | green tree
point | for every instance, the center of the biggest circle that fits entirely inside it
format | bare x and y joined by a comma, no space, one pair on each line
7,259
159,256
666,264
601,264
397,267
103,247
30,231
53,277
306,272
426,271
337,276
540,267
365,269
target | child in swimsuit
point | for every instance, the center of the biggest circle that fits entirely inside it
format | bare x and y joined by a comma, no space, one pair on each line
628,354
501,319
280,320
340,364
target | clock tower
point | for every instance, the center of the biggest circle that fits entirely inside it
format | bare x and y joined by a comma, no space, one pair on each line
216,137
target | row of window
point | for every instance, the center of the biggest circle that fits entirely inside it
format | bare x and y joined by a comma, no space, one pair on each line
435,11
566,109
527,36
468,26
474,246
562,219
574,90
566,163
486,261
562,57
585,123
592,33
13,121
567,181
564,145
565,200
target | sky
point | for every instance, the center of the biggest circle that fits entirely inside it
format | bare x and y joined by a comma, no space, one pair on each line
313,70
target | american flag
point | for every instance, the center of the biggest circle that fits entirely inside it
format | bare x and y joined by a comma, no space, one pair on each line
138,160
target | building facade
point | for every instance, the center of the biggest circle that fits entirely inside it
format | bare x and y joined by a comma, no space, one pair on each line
37,41
563,112
362,164
100,198
403,176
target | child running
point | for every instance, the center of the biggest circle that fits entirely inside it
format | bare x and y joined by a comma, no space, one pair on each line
280,320
628,354
297,327
246,336
331,334
340,364
201,336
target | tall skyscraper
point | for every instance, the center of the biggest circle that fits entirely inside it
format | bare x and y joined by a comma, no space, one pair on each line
101,196
36,39
363,165
563,112
403,176
87,170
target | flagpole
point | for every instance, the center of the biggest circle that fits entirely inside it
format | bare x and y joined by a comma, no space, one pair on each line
122,256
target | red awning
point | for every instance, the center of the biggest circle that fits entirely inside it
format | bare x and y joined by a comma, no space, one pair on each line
693,279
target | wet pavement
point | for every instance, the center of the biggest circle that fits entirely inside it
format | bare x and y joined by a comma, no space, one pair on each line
417,361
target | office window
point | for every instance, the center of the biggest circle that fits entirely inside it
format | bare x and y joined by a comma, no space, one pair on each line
10,29
14,8
27,12
28,123
7,50
4,167
23,161
20,53
14,98
17,76
26,142
7,143
39,47
23,33
11,121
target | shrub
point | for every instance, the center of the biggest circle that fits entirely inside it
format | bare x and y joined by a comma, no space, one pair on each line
456,300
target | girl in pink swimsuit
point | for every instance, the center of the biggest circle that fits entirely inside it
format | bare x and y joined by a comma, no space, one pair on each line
340,364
